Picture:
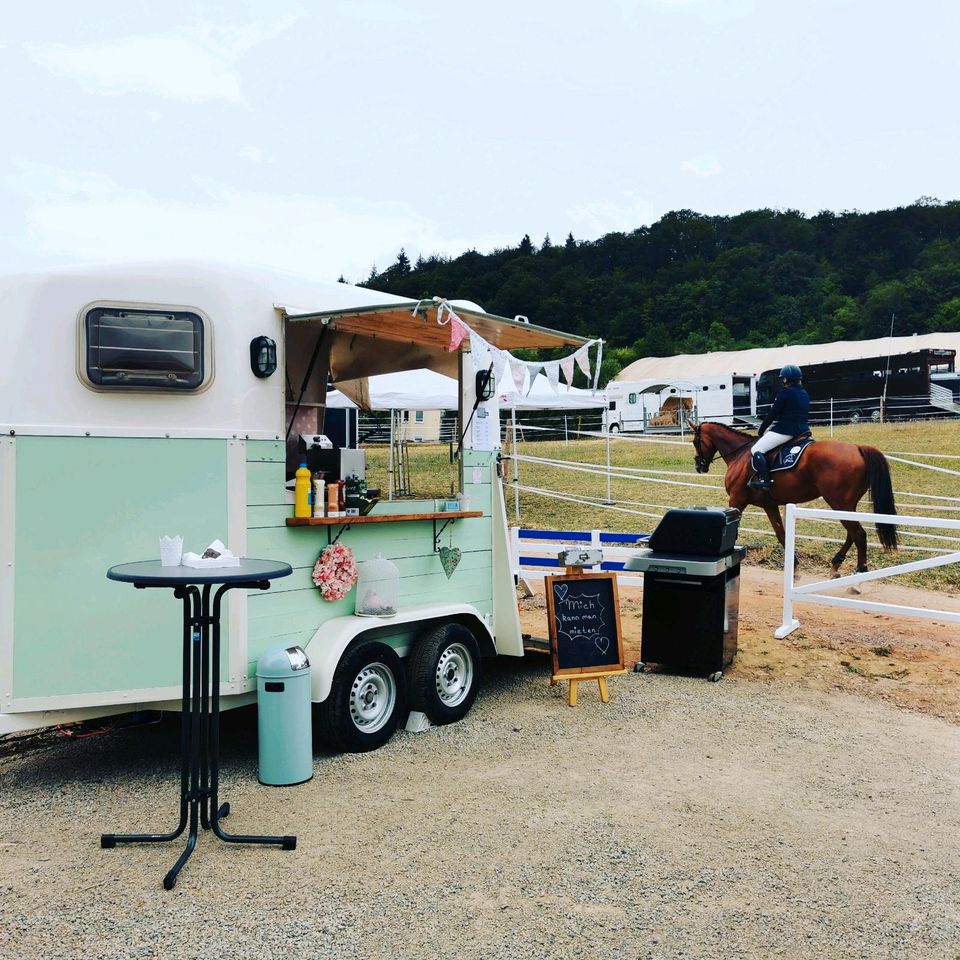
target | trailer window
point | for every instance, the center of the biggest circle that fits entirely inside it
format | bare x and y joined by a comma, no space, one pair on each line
155,349
632,398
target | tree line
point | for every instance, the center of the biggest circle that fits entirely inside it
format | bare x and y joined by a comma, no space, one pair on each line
692,283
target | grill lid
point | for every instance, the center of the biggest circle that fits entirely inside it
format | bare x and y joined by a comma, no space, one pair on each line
700,531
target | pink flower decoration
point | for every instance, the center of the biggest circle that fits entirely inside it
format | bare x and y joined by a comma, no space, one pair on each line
335,572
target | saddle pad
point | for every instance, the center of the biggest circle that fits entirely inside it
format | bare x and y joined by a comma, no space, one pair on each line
787,456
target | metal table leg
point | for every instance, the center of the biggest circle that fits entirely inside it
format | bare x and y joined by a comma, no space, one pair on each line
190,597
285,842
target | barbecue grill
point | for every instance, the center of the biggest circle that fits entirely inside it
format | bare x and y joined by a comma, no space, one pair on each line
691,591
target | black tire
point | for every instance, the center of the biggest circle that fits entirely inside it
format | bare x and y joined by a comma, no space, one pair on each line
367,701
445,670
854,416
614,427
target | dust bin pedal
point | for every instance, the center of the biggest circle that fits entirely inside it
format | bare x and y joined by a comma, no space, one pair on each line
284,722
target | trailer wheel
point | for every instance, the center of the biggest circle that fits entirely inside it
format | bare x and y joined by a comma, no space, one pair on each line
854,416
445,670
614,427
367,699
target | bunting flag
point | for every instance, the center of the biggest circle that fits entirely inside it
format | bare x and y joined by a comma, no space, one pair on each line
596,368
582,356
482,353
519,370
499,358
458,330
523,373
534,369
551,370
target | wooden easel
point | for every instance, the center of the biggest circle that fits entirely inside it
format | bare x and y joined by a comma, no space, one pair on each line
601,679
576,676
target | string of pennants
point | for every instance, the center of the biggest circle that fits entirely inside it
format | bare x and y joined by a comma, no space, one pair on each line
522,373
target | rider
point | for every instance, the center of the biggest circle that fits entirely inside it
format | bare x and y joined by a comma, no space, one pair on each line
786,419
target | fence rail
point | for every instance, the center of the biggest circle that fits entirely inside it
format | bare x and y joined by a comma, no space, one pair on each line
814,592
534,552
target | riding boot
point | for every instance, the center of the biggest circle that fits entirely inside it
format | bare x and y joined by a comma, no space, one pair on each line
761,469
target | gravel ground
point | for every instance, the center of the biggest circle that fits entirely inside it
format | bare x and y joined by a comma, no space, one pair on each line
682,819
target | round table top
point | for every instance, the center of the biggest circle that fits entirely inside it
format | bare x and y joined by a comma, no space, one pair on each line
152,573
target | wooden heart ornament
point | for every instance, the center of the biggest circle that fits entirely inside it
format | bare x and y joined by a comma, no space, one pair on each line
449,558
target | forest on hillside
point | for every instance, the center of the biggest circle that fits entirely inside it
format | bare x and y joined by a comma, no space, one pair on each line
692,283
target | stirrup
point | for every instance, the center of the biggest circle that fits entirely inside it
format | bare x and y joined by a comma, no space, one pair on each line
760,483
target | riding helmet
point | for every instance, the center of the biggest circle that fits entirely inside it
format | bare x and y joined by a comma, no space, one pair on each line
791,372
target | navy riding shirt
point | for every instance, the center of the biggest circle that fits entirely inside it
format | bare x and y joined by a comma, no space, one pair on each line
789,412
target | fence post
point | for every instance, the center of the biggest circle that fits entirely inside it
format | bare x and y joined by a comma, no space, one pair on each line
390,468
609,492
516,467
789,551
566,435
831,416
595,545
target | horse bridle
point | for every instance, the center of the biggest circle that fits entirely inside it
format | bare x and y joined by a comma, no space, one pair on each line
700,461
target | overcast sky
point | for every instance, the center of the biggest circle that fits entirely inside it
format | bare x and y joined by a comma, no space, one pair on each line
322,137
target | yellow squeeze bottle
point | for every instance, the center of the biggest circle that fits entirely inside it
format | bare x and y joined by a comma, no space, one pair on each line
301,492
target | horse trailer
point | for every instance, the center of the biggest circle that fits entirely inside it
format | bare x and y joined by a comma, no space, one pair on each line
138,402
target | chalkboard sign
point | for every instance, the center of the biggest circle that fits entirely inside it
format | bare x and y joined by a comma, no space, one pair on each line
584,623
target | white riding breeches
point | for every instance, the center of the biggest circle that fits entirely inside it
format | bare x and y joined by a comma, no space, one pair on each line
768,441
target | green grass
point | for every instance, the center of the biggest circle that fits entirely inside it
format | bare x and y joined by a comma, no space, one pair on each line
431,475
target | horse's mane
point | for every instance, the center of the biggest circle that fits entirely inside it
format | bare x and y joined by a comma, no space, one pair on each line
737,433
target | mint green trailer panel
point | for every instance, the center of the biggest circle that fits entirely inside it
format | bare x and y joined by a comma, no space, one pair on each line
293,610
106,500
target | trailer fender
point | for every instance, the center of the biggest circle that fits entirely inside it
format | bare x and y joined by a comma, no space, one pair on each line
328,644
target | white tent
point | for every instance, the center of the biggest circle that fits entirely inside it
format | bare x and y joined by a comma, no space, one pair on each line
759,359
410,390
426,390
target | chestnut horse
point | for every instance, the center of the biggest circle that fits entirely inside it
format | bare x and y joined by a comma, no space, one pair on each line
839,472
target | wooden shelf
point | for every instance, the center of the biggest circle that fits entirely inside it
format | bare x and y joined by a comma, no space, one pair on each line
379,518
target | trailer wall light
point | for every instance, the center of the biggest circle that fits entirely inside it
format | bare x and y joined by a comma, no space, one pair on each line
263,356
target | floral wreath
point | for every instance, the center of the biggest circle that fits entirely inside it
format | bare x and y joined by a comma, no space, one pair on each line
335,571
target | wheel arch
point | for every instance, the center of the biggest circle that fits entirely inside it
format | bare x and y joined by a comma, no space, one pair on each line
332,639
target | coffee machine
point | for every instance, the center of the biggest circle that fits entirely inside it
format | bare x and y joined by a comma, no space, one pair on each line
337,463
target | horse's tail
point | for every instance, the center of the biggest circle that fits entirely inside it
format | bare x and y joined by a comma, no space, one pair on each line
881,493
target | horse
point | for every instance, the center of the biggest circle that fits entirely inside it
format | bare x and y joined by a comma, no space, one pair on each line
839,472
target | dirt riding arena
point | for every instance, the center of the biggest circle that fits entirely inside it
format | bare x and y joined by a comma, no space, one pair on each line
806,806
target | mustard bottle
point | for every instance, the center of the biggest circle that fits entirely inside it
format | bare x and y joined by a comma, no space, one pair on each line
301,492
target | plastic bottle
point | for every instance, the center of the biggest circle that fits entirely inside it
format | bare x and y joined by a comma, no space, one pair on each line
301,492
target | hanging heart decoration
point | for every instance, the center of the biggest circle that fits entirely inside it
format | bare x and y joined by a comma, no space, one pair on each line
449,558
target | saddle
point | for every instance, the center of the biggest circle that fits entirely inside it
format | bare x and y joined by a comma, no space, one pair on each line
787,455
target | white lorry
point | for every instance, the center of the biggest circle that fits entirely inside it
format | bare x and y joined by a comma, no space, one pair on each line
643,406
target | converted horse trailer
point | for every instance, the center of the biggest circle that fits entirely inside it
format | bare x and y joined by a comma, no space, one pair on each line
137,402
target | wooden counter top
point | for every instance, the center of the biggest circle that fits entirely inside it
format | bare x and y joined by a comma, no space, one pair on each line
380,518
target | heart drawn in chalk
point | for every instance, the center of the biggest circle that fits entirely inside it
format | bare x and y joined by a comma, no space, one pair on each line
603,643
561,589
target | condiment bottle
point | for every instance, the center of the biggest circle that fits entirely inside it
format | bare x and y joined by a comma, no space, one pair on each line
301,492
341,497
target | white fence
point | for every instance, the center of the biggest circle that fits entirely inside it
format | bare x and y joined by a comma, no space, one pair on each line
535,552
814,592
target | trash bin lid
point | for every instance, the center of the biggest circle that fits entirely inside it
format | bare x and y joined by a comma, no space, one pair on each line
282,662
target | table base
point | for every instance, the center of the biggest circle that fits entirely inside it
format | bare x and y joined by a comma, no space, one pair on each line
200,732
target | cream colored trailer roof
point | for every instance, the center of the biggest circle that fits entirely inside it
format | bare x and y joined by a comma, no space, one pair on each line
752,362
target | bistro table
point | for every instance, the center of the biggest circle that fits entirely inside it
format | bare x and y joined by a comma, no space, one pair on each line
200,716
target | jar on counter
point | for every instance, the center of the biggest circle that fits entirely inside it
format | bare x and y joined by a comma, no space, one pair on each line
378,588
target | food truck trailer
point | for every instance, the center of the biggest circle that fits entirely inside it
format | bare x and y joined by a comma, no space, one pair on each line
137,402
